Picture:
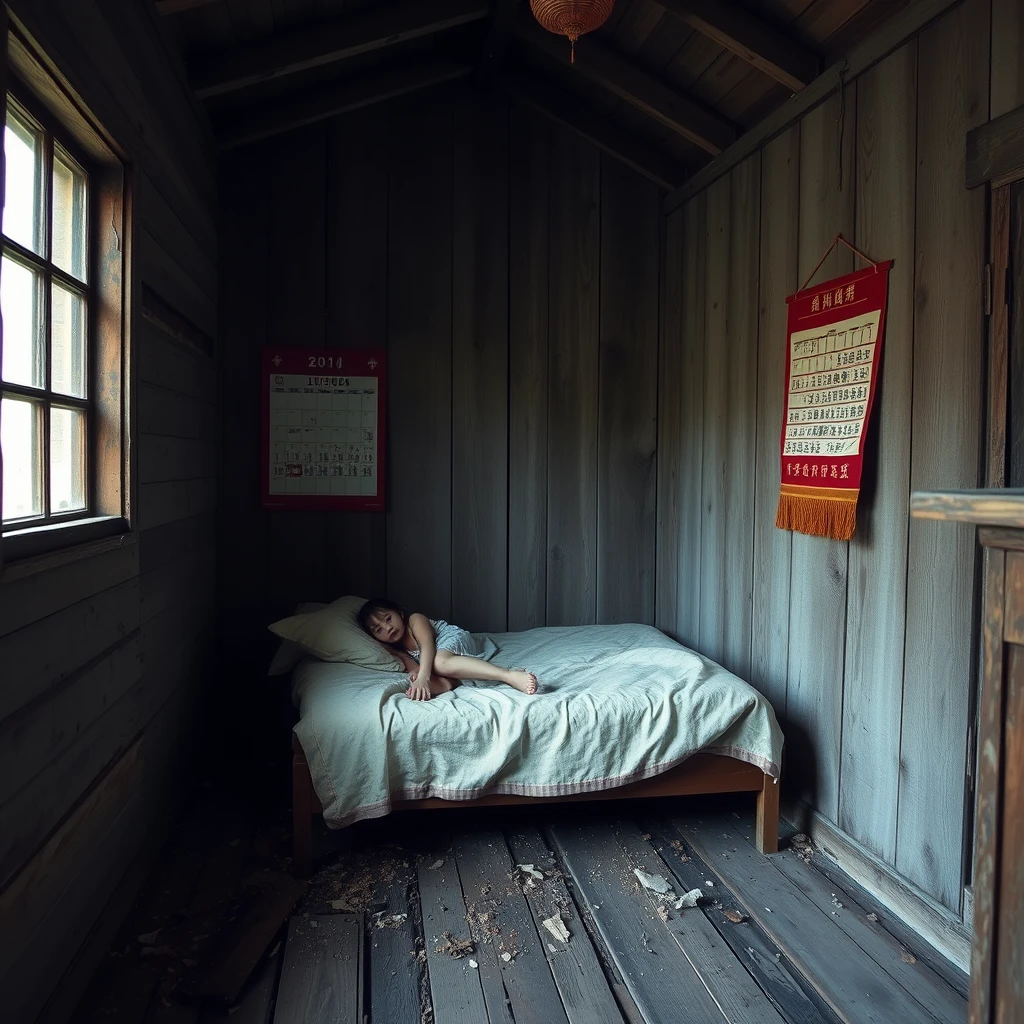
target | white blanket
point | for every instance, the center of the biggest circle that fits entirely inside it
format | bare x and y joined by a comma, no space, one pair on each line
616,704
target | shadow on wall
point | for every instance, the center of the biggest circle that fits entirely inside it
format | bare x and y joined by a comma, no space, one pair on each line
799,767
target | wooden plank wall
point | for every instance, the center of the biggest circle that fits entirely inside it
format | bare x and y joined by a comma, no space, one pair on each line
106,654
512,274
864,648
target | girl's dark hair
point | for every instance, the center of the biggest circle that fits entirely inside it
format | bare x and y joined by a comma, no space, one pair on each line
378,604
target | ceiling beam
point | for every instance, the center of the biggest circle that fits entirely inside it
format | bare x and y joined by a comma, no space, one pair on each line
492,53
372,28
759,44
261,121
902,27
177,6
701,126
596,127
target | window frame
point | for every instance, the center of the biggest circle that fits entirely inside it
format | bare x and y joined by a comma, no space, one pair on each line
54,136
37,85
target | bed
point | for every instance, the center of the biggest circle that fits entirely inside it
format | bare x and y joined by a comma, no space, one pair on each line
623,712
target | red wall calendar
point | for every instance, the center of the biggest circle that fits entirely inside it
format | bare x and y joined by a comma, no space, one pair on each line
323,428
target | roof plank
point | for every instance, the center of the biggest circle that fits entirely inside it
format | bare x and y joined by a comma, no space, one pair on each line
751,39
603,65
598,129
367,30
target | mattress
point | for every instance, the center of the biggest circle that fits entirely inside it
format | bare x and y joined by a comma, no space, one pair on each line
616,704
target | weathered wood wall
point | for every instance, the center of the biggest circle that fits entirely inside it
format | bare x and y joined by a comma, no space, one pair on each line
864,648
106,651
512,274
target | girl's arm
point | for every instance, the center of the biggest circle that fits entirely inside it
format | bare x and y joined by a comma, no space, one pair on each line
423,631
408,664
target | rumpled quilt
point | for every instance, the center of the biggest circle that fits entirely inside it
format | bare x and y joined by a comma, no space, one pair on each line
616,704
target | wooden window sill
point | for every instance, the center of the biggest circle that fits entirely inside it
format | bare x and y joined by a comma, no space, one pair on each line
43,547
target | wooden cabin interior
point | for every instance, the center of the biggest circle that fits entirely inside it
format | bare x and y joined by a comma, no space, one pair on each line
569,265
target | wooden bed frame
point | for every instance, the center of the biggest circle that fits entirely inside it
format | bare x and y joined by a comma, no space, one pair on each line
699,774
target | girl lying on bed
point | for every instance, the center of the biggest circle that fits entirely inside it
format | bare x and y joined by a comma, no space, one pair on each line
435,653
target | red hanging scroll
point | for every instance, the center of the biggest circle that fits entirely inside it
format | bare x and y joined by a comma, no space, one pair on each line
323,429
834,341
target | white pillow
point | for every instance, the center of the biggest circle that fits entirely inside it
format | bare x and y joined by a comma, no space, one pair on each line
334,634
287,655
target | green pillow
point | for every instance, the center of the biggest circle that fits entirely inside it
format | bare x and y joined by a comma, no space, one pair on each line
334,634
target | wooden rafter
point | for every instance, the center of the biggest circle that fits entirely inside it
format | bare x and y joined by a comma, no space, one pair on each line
370,29
177,6
904,25
267,119
759,44
496,42
596,127
594,60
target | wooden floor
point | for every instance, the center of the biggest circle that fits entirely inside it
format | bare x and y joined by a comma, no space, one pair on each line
406,924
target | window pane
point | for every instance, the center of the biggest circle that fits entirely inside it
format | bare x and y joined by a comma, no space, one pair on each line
69,216
21,300
22,444
23,201
67,338
67,460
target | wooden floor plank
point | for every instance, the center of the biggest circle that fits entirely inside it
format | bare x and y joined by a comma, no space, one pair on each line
952,975
456,992
899,963
491,888
725,977
321,977
586,995
249,938
476,889
394,973
124,987
794,997
843,974
257,1002
658,976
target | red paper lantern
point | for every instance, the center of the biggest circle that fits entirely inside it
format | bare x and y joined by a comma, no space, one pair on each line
572,18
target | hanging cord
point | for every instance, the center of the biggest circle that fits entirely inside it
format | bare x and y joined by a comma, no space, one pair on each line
841,121
827,252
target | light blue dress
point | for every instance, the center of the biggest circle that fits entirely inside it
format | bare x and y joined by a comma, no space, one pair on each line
451,638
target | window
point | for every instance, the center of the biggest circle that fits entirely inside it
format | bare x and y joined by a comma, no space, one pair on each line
64,373
46,302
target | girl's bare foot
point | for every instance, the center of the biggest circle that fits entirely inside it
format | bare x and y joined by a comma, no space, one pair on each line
523,681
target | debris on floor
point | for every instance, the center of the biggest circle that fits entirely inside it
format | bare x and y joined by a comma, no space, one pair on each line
530,871
507,957
802,847
437,863
735,916
663,914
689,899
556,926
872,917
149,938
455,948
473,964
656,883
907,957
384,920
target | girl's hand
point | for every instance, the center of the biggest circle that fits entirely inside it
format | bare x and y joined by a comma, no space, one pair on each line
419,688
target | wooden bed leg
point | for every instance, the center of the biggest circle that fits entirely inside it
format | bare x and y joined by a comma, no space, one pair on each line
302,817
767,835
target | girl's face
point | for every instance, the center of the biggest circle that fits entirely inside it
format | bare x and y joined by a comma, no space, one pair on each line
386,626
